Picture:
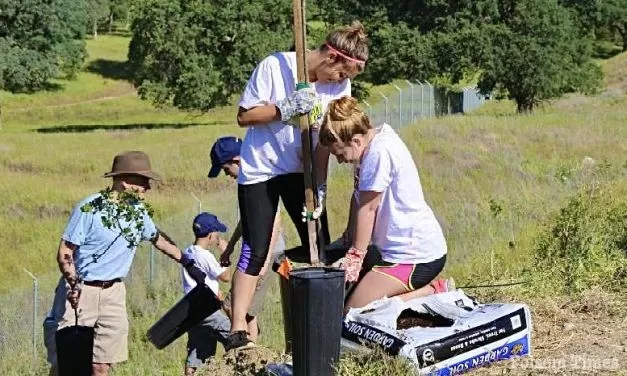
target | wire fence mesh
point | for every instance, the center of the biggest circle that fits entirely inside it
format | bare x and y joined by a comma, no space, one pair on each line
417,101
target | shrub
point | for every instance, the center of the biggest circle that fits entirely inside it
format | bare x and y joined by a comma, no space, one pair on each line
585,243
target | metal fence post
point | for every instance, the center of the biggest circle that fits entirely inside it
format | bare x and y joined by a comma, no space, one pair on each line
35,299
386,106
151,274
369,109
422,99
400,106
413,116
431,100
198,201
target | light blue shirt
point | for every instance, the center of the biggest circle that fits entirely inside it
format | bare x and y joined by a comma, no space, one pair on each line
87,232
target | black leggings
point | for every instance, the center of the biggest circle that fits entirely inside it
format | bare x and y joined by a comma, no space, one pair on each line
258,205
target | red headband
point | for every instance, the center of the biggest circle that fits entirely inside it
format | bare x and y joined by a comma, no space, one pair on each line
345,55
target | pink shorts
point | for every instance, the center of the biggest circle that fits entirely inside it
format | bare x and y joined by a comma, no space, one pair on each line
411,276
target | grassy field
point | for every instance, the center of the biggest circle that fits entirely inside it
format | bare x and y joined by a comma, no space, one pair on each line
491,176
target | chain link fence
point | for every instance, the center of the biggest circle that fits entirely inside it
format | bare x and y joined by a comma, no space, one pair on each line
23,309
416,101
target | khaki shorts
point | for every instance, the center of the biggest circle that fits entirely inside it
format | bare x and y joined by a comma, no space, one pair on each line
259,296
103,309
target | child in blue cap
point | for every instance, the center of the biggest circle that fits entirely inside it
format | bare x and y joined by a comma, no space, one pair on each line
202,339
225,156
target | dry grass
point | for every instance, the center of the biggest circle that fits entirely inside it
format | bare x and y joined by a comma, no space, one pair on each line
615,70
584,334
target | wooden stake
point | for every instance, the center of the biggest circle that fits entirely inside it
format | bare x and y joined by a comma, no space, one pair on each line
300,36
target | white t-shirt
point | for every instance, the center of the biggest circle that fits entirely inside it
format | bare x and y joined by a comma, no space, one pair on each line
405,230
207,263
275,149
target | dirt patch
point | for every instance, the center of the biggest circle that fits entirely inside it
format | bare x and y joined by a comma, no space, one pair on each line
437,156
45,211
50,211
174,185
22,167
15,211
248,362
586,335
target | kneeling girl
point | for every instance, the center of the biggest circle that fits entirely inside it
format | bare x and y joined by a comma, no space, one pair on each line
409,237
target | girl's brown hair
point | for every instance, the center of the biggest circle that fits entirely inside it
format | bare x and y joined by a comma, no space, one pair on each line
343,120
350,42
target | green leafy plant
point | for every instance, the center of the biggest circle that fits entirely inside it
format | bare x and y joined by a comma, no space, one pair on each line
585,243
495,207
119,211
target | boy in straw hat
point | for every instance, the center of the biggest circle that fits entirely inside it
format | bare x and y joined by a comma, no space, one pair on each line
95,255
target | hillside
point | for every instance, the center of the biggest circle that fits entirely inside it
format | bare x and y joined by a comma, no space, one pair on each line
615,70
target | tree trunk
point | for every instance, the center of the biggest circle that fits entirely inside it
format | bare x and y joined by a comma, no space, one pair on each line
95,29
622,32
110,22
524,105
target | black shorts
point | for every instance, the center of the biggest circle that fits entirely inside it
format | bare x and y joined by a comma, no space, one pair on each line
258,205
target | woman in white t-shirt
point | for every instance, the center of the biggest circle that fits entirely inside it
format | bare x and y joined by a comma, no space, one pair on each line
271,154
405,231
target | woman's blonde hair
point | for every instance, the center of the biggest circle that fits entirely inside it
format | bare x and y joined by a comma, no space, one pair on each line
343,120
350,42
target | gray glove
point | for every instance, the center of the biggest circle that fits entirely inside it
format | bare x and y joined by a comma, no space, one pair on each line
300,102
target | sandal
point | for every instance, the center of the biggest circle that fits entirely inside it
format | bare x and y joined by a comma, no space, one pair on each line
238,340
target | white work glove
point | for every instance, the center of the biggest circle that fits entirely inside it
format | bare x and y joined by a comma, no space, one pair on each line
300,102
321,192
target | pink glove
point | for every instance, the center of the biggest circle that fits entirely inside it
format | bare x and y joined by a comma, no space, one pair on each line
352,264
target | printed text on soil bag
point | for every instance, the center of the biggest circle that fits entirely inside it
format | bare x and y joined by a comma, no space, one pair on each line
361,333
513,349
482,335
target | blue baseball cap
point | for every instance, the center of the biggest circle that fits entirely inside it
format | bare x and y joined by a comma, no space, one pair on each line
223,150
206,223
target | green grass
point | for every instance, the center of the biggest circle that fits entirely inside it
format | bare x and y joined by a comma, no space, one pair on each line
51,157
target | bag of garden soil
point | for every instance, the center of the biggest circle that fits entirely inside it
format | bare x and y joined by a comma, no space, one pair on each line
441,334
